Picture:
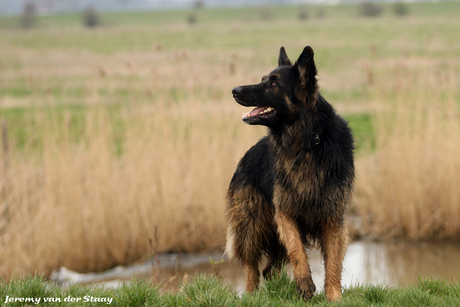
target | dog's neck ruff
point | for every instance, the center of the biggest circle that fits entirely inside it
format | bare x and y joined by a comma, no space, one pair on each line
308,146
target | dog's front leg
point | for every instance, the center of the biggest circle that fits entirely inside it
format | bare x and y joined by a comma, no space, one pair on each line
333,245
291,238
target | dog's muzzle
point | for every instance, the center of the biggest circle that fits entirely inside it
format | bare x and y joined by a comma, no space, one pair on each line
236,91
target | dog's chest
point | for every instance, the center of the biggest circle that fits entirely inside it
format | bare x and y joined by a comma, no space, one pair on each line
296,188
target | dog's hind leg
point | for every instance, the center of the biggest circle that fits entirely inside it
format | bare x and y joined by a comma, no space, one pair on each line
275,262
333,245
253,277
246,231
291,238
239,247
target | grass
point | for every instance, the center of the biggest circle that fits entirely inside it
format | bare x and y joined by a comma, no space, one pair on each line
114,132
417,143
208,290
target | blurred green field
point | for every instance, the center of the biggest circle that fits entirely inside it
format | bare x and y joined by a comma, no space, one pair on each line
343,42
114,131
220,29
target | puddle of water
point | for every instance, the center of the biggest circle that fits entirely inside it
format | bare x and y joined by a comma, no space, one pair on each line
376,263
365,263
400,264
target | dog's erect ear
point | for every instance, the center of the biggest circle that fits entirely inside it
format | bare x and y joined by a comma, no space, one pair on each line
307,86
283,59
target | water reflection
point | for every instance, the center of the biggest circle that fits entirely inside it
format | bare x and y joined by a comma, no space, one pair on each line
378,263
401,264
365,263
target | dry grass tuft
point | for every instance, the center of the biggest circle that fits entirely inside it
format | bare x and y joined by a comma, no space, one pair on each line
83,207
410,187
79,203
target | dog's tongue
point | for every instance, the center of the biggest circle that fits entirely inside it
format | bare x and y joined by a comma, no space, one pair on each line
256,111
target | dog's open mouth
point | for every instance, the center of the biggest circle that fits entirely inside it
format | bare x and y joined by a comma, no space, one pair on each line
261,112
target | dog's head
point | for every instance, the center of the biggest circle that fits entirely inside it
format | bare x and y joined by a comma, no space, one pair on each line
283,94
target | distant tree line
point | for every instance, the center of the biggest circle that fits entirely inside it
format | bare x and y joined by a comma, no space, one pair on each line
29,15
29,18
91,17
374,9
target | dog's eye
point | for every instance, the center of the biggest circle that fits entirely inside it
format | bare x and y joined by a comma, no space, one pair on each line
273,83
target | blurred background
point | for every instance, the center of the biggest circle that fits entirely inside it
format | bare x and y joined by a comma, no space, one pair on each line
119,134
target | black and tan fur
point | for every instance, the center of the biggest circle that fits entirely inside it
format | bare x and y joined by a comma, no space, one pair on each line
292,188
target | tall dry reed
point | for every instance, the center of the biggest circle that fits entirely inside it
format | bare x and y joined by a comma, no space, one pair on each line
84,207
83,203
410,186
76,201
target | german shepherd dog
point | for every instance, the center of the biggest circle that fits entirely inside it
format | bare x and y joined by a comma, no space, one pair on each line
292,188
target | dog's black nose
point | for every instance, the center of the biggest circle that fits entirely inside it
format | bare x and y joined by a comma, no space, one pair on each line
236,90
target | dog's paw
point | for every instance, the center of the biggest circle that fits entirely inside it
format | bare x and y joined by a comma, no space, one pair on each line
333,295
306,288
